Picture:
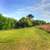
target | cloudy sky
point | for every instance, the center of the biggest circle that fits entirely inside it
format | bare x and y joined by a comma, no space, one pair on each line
18,8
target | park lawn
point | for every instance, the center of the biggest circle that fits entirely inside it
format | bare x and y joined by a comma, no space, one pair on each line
24,39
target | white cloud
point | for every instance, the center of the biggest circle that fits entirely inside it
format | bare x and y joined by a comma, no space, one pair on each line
41,8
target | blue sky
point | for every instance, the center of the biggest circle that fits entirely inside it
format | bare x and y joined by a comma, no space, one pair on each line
19,8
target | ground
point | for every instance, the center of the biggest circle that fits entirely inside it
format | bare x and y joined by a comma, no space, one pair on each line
45,27
24,39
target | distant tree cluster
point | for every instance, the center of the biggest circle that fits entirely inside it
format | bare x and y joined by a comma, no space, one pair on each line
6,23
38,22
10,23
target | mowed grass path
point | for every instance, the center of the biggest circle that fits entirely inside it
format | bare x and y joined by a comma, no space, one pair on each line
24,39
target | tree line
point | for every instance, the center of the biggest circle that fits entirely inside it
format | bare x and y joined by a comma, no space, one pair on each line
10,23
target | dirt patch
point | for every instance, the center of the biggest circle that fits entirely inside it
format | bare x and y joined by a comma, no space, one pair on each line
45,27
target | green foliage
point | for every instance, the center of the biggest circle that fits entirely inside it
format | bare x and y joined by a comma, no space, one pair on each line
7,23
10,23
29,22
38,22
24,22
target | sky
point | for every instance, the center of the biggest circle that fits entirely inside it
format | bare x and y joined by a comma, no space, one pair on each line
20,8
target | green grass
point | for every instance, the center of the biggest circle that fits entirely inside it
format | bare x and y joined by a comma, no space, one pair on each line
24,39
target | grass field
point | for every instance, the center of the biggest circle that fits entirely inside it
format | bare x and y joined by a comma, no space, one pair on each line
24,39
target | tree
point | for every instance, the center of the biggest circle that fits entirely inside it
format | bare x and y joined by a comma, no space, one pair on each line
24,22
21,23
38,22
30,16
7,23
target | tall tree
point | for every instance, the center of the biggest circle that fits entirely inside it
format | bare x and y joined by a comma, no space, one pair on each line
30,16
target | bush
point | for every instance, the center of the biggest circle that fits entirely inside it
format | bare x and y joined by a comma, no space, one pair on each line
38,22
24,22
6,23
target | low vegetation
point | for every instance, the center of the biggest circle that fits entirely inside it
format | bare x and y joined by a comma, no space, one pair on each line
10,23
24,39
